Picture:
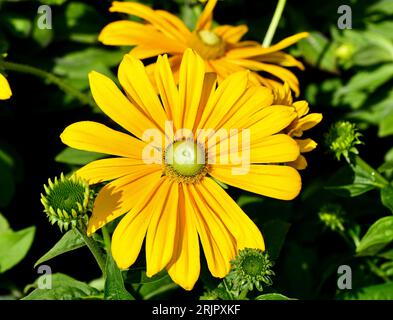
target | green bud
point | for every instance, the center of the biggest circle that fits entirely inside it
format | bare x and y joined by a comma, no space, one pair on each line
345,51
332,216
342,139
66,201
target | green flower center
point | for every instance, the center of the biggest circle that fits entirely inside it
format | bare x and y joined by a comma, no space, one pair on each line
209,38
66,196
253,265
186,158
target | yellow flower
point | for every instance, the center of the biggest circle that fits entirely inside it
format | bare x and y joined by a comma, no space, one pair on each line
5,90
221,47
168,196
303,122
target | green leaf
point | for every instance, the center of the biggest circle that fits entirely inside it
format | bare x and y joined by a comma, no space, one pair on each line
53,2
272,296
387,197
77,157
386,125
14,246
376,238
42,36
376,292
274,233
70,241
17,24
4,225
63,288
114,283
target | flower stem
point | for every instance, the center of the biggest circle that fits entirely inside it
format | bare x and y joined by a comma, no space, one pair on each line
274,23
22,68
94,248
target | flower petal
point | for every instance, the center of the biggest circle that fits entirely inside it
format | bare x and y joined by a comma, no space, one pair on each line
231,34
306,145
206,17
5,90
95,137
275,181
129,234
185,265
300,163
120,195
116,106
160,238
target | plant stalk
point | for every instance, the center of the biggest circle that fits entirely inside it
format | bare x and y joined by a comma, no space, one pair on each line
274,23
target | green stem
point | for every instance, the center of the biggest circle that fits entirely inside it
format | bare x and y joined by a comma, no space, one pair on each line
274,23
22,68
94,248
107,239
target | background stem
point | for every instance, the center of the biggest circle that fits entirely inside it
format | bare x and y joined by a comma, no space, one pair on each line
22,68
274,23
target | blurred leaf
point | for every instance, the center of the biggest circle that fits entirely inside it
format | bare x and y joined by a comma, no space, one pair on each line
17,24
383,6
386,126
53,2
63,288
4,225
14,246
273,296
376,238
318,51
246,199
42,36
114,283
274,233
387,197
77,157
376,292
386,254
70,241
387,268
7,180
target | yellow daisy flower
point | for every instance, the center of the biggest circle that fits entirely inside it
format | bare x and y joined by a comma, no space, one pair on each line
5,90
167,187
221,47
303,122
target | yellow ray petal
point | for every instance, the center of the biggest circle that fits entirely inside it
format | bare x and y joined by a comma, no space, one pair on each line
306,145
231,34
206,17
300,163
301,108
160,21
209,86
129,234
109,169
192,74
160,238
305,123
95,137
134,80
218,243
239,224
275,181
288,41
282,59
120,195
184,267
176,23
223,99
116,106
5,90
146,51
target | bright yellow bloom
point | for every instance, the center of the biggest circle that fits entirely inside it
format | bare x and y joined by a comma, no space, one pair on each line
170,202
221,47
303,122
5,90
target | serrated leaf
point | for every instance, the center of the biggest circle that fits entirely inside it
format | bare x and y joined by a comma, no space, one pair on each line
63,288
114,283
70,241
379,235
14,246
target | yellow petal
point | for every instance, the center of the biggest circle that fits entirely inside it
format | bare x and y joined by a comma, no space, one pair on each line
134,80
95,137
305,123
184,266
282,59
192,74
300,163
238,223
129,234
160,238
209,87
206,17
157,19
218,243
116,106
119,196
301,108
306,145
231,34
275,181
5,90
143,51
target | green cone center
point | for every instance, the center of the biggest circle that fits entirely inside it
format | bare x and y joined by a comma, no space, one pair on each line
209,38
252,265
185,157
